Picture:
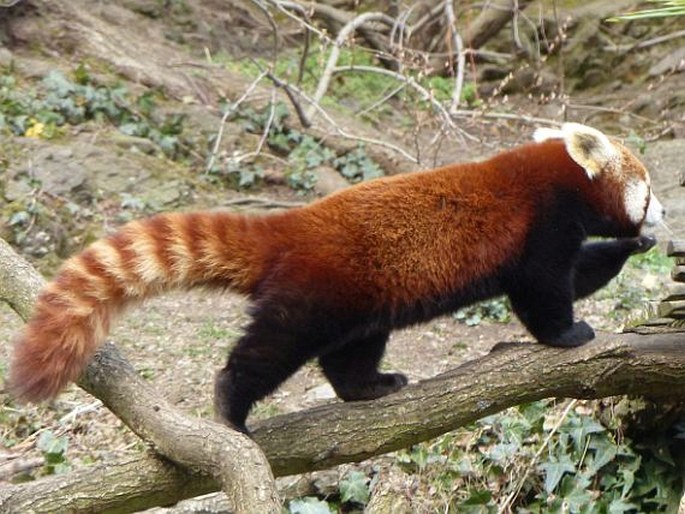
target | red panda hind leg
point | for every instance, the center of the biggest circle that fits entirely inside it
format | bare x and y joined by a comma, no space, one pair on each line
286,333
353,372
261,361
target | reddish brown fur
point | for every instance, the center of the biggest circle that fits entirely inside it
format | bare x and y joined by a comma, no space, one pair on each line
385,243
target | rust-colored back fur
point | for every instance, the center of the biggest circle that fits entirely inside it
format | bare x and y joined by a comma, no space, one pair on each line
387,244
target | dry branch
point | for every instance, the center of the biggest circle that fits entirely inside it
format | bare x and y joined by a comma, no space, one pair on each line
346,432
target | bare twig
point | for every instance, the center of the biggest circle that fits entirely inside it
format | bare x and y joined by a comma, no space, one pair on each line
274,27
229,112
426,95
512,496
647,43
327,73
16,466
459,51
262,203
532,120
347,135
288,89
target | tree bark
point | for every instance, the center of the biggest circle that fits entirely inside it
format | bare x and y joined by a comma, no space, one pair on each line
325,436
491,20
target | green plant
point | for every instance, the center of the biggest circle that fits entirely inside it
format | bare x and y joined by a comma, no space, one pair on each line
655,261
304,153
354,493
634,139
496,309
309,505
541,457
443,89
356,165
303,160
666,9
54,449
355,488
58,101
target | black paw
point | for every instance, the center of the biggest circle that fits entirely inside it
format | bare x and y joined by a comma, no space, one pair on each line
393,381
238,427
579,334
643,244
380,385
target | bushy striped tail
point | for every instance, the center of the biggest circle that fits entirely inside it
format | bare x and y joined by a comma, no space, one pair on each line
73,313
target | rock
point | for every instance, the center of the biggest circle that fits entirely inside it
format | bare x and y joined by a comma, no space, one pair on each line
322,392
329,180
6,57
138,144
674,61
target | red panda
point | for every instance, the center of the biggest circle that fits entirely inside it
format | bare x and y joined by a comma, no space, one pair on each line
330,280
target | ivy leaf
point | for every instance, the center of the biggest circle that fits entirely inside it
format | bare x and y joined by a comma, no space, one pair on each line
605,452
574,491
309,505
355,488
554,471
581,430
479,502
57,83
51,445
619,506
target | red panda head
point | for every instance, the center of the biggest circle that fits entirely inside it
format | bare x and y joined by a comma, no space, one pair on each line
619,174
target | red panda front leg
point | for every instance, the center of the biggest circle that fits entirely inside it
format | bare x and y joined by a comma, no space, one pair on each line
546,310
353,372
599,262
541,288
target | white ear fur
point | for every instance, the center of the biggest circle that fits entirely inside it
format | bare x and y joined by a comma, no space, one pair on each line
588,147
544,133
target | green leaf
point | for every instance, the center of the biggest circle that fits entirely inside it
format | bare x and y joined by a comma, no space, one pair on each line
574,490
57,83
355,488
51,445
501,453
19,218
605,451
309,505
555,470
579,428
619,506
479,502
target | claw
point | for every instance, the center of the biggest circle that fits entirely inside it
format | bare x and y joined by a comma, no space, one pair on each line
644,244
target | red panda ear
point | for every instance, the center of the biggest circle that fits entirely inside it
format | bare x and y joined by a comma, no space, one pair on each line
587,146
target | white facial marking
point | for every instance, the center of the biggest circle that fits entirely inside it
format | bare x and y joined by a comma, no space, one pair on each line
635,198
655,211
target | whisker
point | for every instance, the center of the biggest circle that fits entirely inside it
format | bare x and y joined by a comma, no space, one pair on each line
667,228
